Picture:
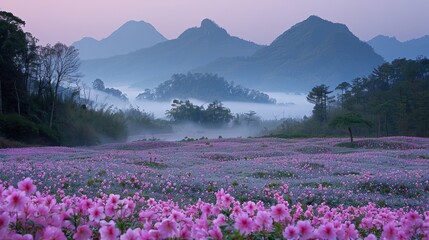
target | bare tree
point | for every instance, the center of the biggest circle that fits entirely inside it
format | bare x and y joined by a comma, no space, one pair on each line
60,65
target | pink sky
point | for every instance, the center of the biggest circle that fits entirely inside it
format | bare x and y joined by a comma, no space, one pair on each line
260,21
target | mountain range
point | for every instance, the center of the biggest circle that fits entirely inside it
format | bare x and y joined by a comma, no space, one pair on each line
131,36
150,66
312,52
391,48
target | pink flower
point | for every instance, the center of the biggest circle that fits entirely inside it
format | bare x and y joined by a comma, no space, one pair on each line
371,237
96,214
389,231
304,229
414,218
279,212
4,220
185,233
144,235
168,228
27,186
113,199
53,233
220,220
206,209
290,232
17,200
110,210
216,233
22,237
131,235
108,231
264,221
327,231
155,234
82,233
244,224
250,207
176,216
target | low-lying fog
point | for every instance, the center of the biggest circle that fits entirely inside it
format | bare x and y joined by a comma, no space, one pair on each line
289,105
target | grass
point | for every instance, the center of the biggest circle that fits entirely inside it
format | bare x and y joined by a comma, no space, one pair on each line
273,174
312,165
346,145
383,188
346,173
324,184
274,185
151,164
92,182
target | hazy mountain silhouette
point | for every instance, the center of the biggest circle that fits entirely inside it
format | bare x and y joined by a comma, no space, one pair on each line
129,37
312,52
150,66
390,48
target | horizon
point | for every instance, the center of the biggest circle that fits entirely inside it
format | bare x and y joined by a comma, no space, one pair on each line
400,19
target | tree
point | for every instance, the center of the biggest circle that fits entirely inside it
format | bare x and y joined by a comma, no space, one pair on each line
185,111
349,120
13,50
98,84
217,114
344,88
319,97
61,65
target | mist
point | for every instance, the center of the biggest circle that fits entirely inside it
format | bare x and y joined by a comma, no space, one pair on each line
289,105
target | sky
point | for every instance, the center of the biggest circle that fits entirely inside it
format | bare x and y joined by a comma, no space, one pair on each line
260,21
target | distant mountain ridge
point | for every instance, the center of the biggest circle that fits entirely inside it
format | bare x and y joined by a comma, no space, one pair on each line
150,66
312,52
131,36
391,48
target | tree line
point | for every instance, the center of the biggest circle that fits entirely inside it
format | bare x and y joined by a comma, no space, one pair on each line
205,87
392,100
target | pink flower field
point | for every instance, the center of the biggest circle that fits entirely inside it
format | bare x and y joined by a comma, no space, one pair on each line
218,189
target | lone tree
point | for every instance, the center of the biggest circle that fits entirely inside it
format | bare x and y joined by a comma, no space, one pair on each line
349,120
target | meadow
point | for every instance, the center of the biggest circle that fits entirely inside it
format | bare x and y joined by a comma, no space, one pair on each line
219,188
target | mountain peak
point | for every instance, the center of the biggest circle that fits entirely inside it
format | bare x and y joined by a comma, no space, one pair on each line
314,18
208,28
131,36
207,23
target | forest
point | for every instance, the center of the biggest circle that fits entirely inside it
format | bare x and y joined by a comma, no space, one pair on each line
393,100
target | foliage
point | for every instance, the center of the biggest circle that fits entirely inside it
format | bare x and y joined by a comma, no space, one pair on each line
206,87
19,128
140,121
349,120
214,115
319,97
394,98
217,114
98,84
185,111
